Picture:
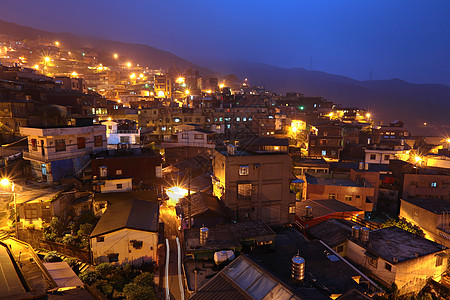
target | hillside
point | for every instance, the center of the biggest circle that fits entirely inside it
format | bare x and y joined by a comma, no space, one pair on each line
386,99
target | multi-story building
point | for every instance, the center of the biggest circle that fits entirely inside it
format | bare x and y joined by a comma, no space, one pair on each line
55,153
122,134
326,141
426,186
163,86
254,185
382,154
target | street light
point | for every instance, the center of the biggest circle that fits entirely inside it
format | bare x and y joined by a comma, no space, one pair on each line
5,182
116,56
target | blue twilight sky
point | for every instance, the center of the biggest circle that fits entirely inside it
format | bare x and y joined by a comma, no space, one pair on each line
407,39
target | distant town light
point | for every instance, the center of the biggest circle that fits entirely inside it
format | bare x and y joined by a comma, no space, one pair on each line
209,91
57,44
74,74
187,92
47,59
160,94
128,64
180,80
418,159
132,76
36,67
367,115
448,140
109,118
5,181
116,56
175,193
221,85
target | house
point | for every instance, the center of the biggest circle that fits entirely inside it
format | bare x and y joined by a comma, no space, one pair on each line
326,141
60,152
204,210
382,154
394,255
254,185
432,215
191,138
122,133
113,170
126,233
430,185
352,190
334,233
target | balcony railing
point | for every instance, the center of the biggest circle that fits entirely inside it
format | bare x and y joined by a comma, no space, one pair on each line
56,155
122,131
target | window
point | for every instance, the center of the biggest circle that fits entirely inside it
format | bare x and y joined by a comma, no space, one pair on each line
245,190
98,141
60,145
388,267
125,139
348,198
325,133
81,142
439,260
373,156
136,244
103,171
198,136
324,152
387,157
30,212
118,172
113,257
243,170
292,209
372,261
433,184
119,186
331,196
184,136
34,144
340,249
322,142
100,239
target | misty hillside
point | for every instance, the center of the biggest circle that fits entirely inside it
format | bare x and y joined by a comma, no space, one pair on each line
386,99
143,54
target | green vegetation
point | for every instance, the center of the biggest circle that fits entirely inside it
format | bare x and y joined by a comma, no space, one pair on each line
118,282
405,225
80,229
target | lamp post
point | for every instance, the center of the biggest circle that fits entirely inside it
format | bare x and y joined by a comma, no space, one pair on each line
6,182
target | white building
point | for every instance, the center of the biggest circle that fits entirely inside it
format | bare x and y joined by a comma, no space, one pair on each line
396,256
117,136
376,155
191,138
62,151
126,233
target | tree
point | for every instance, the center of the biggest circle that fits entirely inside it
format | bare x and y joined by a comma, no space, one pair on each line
145,279
89,277
405,225
52,256
133,291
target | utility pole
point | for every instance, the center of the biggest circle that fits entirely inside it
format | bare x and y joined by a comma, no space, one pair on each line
189,198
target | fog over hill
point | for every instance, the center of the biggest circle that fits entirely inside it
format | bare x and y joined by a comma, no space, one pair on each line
386,99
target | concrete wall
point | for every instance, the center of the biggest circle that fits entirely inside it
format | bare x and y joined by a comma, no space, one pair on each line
420,186
119,242
269,176
110,186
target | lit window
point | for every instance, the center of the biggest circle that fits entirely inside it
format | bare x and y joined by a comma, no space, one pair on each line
103,171
245,190
184,136
198,137
292,209
331,196
433,184
238,119
348,198
244,170
118,172
324,152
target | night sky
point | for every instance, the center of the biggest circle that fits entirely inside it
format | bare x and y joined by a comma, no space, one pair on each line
405,39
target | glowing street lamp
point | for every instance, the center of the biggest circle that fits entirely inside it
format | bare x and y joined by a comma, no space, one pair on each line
57,44
175,193
128,64
187,92
221,86
418,159
368,116
6,182
116,56
180,80
46,59
132,76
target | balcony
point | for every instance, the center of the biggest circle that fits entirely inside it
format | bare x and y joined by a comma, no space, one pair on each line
37,156
123,131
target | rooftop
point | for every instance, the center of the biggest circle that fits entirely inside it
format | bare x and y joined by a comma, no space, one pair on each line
202,202
244,279
434,205
323,207
332,232
132,214
396,245
324,270
336,180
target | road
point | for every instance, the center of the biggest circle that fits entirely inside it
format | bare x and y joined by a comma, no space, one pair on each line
173,278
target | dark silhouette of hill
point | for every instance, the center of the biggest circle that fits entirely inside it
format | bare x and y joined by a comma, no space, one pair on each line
139,53
388,100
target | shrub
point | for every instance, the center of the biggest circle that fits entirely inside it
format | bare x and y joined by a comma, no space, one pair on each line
52,256
145,279
105,269
89,277
133,291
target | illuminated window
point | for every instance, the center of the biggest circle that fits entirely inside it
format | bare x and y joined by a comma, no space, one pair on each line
433,184
198,136
348,198
331,196
118,172
245,190
184,136
292,209
244,170
324,152
103,171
